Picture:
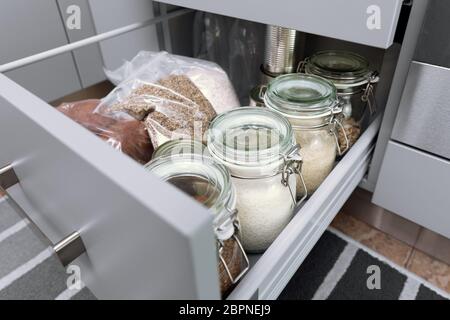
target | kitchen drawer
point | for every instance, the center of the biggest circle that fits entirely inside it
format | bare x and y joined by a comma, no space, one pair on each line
144,238
424,113
139,242
415,185
321,17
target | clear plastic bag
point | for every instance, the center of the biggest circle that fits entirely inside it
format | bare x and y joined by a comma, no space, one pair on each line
207,76
176,96
127,135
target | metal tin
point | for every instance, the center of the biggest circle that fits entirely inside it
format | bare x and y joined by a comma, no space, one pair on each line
280,50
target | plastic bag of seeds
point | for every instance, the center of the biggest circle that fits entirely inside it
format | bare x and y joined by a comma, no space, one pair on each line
172,94
208,77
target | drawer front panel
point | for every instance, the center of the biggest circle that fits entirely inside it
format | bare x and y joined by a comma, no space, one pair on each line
415,185
370,22
140,243
432,44
423,118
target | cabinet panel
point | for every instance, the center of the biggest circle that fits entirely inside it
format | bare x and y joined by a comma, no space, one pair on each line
29,27
415,185
433,46
371,22
424,113
111,14
88,59
50,79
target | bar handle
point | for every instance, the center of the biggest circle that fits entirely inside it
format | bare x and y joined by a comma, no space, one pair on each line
68,248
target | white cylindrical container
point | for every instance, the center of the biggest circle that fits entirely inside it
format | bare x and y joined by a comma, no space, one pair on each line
258,147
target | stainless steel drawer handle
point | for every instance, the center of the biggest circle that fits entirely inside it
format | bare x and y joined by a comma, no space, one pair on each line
67,249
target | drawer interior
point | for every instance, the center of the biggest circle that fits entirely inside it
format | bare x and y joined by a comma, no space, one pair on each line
269,271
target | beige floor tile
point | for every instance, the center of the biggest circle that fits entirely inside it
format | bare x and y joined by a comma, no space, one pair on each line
432,270
376,240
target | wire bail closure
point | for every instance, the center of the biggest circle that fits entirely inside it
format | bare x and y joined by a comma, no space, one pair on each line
302,65
232,214
368,95
335,120
293,165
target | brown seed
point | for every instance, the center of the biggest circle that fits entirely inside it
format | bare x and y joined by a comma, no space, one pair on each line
352,130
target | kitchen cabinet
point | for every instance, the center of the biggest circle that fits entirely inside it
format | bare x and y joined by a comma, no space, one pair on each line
413,180
30,27
88,59
415,185
143,237
111,14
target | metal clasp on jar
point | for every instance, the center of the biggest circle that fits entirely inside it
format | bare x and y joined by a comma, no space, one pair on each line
302,66
336,120
237,228
368,95
293,165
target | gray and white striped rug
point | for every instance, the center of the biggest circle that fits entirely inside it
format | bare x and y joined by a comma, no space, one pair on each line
28,268
335,269
339,268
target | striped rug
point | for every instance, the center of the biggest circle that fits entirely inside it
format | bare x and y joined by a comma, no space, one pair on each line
337,268
28,268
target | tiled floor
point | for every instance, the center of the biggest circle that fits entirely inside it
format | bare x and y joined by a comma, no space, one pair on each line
425,266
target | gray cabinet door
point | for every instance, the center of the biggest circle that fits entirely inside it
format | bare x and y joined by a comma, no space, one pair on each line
139,242
415,185
30,27
433,46
88,59
424,113
423,118
111,14
371,22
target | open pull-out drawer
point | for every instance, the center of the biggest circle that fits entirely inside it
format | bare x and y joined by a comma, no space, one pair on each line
144,238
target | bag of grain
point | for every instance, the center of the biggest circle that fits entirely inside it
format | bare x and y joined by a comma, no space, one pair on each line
207,76
176,96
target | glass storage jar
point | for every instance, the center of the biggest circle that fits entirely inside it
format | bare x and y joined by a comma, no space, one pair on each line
355,84
311,105
258,147
209,183
180,147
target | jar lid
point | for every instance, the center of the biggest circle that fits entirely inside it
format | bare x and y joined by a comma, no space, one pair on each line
301,95
250,137
206,181
338,66
179,147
